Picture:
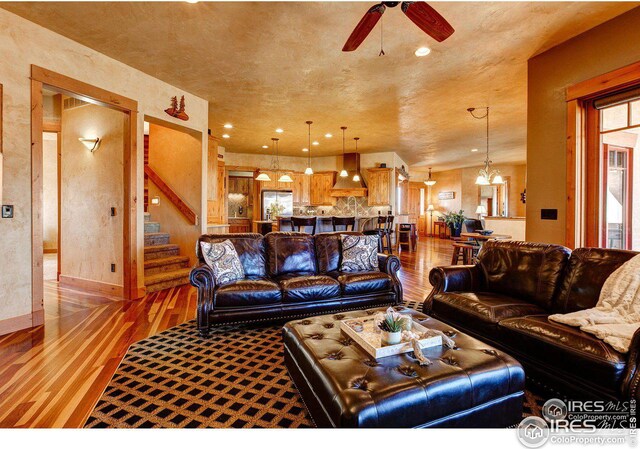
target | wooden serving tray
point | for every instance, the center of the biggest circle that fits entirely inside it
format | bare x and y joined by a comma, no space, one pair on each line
370,340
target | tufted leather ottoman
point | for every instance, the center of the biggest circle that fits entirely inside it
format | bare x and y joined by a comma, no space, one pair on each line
473,385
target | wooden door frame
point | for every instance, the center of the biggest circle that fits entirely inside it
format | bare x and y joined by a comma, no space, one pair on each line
580,188
41,77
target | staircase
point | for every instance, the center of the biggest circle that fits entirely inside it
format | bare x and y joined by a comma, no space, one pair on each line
164,267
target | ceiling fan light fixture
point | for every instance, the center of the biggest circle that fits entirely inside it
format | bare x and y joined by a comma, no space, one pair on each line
422,51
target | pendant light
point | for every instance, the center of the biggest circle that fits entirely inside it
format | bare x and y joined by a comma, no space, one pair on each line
356,177
309,170
429,180
343,173
263,176
486,175
285,177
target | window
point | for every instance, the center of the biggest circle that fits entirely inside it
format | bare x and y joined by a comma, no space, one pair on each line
613,141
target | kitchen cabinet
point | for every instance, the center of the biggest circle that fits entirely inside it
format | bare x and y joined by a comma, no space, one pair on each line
274,184
379,185
321,185
217,209
301,183
239,225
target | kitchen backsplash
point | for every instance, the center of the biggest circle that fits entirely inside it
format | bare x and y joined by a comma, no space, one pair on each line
345,207
237,205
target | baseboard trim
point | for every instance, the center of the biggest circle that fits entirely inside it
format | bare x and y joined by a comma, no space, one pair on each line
50,250
16,323
88,285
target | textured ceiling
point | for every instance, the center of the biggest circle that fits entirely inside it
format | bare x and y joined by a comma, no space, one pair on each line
269,65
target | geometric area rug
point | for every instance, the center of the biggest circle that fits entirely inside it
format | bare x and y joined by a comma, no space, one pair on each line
235,378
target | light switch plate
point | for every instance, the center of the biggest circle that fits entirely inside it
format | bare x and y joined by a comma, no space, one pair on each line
7,211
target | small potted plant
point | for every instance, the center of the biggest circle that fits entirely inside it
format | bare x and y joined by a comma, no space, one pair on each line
454,220
391,326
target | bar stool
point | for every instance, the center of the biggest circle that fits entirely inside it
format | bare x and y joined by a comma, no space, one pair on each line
406,236
383,231
301,223
464,251
343,221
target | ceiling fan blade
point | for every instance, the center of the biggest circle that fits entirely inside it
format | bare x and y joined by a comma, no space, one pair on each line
428,20
364,27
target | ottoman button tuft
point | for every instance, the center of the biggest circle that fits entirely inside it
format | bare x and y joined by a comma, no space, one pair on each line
328,325
407,371
317,336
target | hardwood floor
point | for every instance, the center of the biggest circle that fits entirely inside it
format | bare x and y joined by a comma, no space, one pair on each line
53,375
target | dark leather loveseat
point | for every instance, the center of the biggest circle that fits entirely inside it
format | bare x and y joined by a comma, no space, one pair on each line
505,300
288,275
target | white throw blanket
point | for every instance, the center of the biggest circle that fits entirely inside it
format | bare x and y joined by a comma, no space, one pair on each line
617,315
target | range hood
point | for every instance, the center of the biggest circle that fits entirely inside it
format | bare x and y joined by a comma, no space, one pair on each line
347,186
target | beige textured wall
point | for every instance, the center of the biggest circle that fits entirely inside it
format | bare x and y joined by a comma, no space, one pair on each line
50,191
92,183
175,156
602,49
23,43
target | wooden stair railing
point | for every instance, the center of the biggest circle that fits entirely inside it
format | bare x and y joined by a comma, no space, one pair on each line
188,213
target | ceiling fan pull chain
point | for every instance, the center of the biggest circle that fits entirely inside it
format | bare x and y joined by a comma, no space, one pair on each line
381,39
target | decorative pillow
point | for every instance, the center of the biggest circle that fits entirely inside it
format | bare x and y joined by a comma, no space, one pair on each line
359,253
223,260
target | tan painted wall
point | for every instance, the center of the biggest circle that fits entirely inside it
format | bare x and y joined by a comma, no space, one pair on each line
92,183
50,191
23,43
602,49
175,156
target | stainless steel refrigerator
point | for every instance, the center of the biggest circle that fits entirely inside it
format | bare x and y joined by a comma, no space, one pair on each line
283,198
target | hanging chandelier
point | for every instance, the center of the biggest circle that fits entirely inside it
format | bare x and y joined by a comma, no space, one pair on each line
343,173
486,175
285,176
356,177
429,180
309,170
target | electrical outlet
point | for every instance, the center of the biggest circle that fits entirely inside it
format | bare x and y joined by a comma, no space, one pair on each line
113,267
7,211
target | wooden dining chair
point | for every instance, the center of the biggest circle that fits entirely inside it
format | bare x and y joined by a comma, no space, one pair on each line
343,221
302,223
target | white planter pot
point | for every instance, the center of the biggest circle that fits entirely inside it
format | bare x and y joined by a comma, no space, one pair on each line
390,338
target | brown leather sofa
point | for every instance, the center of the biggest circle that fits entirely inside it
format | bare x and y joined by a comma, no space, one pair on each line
289,275
505,300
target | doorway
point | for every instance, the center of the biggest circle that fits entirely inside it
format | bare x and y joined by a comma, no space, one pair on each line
45,80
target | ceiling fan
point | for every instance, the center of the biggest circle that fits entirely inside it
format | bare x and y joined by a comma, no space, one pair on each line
420,13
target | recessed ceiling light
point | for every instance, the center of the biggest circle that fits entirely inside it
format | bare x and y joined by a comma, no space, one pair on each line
279,130
228,125
473,150
328,135
423,51
265,146
225,136
304,150
315,142
192,1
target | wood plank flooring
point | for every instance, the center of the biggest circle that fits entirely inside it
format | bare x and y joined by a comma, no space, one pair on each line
53,375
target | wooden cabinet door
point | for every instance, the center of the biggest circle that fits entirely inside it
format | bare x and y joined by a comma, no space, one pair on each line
379,187
300,188
320,189
304,189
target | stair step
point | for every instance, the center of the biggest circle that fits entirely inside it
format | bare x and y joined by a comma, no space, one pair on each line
151,226
155,266
156,238
147,217
161,251
168,279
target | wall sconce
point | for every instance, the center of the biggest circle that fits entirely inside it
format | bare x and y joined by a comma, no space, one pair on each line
155,200
91,144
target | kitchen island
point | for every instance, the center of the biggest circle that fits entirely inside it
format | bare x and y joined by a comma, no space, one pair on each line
323,223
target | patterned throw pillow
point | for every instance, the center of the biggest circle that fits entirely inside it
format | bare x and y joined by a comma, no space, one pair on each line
223,260
359,253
